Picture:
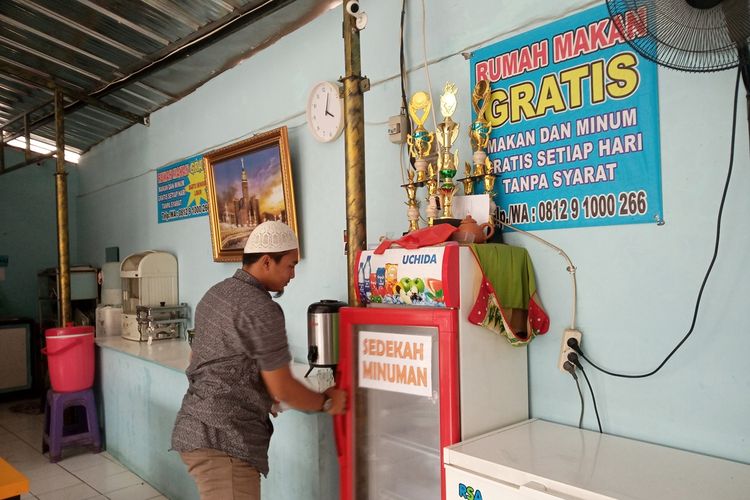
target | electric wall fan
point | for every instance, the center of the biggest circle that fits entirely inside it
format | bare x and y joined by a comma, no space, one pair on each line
689,35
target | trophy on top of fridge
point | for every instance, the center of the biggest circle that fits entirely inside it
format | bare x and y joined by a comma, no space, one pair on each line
436,170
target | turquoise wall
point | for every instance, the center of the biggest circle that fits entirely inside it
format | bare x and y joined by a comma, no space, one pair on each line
139,400
28,230
637,284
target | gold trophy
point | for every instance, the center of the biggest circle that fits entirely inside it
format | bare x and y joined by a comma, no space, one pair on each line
432,208
480,128
412,212
447,132
420,141
468,181
480,136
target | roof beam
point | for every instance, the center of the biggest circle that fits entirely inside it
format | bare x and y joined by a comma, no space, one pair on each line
210,33
125,22
88,31
51,83
24,48
146,65
174,11
207,35
12,22
35,158
25,83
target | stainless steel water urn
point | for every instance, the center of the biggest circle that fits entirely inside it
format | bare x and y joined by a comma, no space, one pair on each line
323,333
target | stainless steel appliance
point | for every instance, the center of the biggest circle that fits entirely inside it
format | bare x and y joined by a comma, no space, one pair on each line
323,334
148,279
161,322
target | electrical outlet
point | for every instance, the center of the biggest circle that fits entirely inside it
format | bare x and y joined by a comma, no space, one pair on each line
397,129
564,349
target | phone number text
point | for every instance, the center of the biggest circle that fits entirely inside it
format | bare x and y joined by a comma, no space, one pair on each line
595,206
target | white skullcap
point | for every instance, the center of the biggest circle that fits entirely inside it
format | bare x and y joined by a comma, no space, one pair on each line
271,237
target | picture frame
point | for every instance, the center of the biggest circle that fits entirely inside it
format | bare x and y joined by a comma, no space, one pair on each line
248,183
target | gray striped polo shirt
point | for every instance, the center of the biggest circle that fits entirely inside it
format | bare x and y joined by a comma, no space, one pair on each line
239,331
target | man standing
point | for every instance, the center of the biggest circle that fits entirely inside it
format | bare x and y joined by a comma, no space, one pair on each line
239,366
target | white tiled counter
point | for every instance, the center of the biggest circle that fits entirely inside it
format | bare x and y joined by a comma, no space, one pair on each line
172,353
175,354
141,388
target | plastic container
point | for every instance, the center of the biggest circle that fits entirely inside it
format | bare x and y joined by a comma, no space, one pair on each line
70,357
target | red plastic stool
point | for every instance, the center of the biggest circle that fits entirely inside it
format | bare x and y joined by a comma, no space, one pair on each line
57,434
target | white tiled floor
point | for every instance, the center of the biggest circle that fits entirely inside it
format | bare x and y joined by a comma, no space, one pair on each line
79,476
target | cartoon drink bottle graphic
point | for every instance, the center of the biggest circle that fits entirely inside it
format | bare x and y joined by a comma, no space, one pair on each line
373,282
380,278
361,281
366,278
391,278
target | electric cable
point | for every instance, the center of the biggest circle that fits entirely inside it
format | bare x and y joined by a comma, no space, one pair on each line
573,358
593,399
568,367
429,82
404,103
402,69
426,68
573,343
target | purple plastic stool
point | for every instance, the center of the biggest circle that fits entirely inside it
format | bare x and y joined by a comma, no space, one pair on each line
58,435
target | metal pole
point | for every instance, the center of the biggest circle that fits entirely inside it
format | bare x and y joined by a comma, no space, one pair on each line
61,186
354,139
27,137
2,151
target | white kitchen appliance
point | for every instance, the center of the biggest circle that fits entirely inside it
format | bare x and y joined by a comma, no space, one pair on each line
539,460
111,284
108,321
148,279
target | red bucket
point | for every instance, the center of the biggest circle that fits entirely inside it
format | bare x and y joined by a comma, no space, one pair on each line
70,357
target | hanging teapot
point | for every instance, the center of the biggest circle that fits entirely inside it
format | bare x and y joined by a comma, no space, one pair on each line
471,232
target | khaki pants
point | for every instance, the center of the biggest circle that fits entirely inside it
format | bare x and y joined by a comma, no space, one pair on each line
221,477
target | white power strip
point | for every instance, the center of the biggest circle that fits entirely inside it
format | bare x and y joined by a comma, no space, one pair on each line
564,349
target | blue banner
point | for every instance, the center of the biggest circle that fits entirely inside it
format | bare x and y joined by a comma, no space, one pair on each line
575,117
181,190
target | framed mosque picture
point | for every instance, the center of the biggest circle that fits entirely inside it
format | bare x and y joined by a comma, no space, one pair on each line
248,183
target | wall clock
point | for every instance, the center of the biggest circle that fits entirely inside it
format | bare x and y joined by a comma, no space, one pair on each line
325,111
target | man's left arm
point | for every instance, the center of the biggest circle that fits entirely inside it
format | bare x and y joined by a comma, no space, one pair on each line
284,387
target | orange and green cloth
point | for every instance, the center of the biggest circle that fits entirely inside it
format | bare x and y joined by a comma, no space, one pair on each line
507,302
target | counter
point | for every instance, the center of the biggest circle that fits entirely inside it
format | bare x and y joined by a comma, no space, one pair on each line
172,353
140,389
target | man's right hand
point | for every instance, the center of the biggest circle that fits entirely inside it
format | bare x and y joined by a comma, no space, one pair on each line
339,400
282,386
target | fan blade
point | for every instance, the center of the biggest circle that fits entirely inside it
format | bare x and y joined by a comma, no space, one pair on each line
688,35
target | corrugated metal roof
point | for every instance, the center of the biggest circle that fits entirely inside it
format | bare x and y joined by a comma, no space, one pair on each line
117,61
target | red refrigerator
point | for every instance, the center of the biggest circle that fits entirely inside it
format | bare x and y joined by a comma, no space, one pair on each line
418,375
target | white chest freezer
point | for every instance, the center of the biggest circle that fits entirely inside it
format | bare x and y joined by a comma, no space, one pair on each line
539,460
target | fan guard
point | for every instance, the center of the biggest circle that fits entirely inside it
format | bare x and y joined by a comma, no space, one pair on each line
690,35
